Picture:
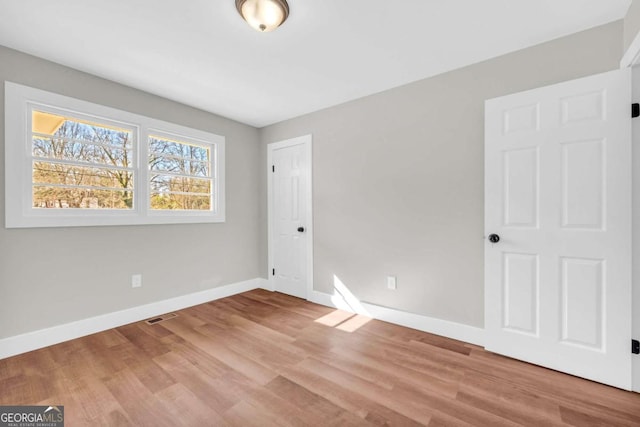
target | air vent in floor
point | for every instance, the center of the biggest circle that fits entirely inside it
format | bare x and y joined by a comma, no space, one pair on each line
160,318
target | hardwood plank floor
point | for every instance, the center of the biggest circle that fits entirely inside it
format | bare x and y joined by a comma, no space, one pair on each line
263,358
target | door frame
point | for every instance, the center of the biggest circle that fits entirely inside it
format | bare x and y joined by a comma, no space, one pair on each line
307,142
631,59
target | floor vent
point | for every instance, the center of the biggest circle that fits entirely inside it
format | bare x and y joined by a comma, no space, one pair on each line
161,318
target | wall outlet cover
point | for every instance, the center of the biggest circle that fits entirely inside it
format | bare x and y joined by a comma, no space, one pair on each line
136,281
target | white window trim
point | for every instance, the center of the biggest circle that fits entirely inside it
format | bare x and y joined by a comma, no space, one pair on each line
18,166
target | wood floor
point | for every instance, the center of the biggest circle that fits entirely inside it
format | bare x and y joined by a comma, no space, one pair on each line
262,358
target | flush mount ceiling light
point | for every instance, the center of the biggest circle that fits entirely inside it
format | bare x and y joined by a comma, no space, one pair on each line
263,15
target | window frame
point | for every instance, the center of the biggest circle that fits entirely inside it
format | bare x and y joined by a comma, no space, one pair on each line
19,213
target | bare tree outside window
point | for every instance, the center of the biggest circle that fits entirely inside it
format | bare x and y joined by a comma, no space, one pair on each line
73,163
180,175
78,164
81,165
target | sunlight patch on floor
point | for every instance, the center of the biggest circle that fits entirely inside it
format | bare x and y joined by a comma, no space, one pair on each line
334,318
353,324
351,315
344,299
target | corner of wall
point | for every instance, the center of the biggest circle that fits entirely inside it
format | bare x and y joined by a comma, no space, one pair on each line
631,24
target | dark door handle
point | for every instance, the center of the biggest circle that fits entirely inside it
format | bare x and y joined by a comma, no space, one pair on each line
301,229
494,238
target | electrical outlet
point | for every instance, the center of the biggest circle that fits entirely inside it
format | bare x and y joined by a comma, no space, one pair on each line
391,282
136,281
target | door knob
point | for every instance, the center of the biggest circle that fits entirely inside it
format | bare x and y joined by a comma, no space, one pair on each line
301,229
494,238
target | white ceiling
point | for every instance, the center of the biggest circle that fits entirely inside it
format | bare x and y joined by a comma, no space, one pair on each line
201,53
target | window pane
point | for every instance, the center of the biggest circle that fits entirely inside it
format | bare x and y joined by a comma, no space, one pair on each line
72,155
171,201
69,128
56,148
179,157
55,173
169,183
184,181
80,198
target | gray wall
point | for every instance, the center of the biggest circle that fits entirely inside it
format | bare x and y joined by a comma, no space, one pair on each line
398,189
398,177
631,23
56,275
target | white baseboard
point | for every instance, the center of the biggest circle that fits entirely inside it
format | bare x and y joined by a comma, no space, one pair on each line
45,337
445,328
269,284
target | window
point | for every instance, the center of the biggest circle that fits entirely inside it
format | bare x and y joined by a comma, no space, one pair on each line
180,174
79,164
74,163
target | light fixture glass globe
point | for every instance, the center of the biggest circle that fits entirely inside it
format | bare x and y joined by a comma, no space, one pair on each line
263,15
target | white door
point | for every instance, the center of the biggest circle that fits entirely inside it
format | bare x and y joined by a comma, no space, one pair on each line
290,216
558,195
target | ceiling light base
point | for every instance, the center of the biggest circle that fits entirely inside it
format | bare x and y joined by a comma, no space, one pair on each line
263,15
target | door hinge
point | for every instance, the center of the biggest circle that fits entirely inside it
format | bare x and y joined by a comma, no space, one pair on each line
273,168
635,346
273,271
635,110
